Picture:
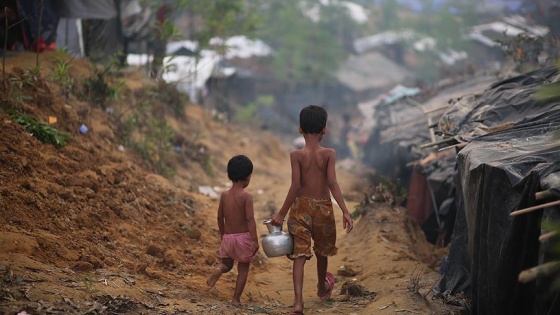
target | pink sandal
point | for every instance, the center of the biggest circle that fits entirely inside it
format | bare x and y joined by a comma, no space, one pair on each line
330,286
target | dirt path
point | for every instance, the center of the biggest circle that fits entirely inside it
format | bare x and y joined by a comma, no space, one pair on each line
390,273
89,229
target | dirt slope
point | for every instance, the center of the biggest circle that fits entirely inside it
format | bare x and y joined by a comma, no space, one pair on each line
92,229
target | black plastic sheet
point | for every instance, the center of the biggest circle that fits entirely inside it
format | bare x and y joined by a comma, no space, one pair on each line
509,101
499,173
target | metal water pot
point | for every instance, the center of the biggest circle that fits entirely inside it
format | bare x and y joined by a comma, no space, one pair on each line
277,243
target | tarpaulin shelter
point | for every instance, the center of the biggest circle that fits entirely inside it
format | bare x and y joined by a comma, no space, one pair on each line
513,150
398,125
85,28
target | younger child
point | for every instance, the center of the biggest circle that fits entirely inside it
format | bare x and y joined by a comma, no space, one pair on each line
311,214
237,226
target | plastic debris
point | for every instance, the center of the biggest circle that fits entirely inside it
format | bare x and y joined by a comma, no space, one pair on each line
208,191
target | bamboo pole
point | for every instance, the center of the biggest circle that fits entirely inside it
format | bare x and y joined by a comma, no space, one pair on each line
433,144
458,145
546,236
545,194
5,52
504,126
437,109
432,133
531,209
545,270
39,33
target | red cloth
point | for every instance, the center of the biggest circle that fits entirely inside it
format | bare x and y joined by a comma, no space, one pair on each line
237,246
419,203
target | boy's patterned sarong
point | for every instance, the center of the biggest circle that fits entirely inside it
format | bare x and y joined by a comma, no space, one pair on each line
312,219
237,246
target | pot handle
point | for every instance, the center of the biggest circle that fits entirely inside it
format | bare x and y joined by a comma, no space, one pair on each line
269,221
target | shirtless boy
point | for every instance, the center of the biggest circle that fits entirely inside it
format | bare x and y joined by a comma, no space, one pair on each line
311,215
237,226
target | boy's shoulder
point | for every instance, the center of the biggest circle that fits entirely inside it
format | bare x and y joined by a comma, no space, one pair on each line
300,152
303,153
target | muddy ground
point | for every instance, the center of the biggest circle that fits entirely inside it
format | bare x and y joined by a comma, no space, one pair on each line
91,228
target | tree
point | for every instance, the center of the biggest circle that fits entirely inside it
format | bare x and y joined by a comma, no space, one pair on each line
447,31
223,19
390,17
306,52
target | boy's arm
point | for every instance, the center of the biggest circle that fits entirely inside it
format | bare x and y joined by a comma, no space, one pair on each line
250,218
278,218
337,194
221,216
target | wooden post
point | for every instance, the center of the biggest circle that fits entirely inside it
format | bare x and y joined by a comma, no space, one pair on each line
545,270
531,209
546,236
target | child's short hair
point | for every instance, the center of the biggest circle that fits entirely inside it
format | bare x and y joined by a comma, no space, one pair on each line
313,119
239,168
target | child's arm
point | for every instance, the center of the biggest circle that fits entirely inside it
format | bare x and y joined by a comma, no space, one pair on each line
337,194
278,218
251,225
221,224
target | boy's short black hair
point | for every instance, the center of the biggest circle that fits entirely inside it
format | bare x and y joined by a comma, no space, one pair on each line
313,119
239,168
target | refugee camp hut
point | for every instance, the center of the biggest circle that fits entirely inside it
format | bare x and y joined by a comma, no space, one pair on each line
378,115
431,191
370,74
390,43
92,29
511,156
488,40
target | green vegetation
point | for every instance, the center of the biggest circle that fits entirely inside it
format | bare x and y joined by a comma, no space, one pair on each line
223,19
89,283
144,127
305,52
43,132
15,95
438,22
248,112
388,18
60,72
523,50
102,86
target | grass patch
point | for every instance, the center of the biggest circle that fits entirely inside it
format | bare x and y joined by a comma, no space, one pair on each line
43,132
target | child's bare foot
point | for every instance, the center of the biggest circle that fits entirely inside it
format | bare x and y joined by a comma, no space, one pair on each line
213,278
297,310
321,291
236,303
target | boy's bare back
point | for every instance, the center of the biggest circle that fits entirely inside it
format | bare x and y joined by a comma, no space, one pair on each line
316,167
236,206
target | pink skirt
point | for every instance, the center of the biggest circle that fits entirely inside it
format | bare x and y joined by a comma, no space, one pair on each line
237,246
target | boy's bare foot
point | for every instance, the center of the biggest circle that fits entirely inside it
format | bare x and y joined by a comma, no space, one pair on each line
326,292
213,278
236,303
